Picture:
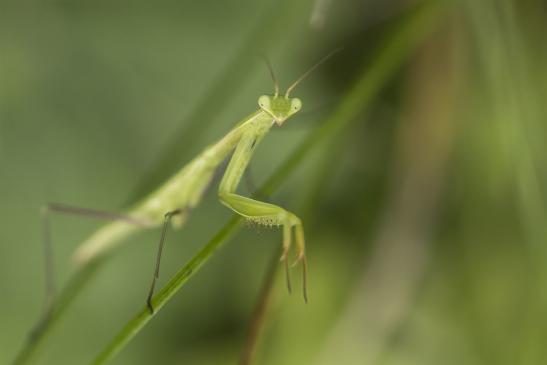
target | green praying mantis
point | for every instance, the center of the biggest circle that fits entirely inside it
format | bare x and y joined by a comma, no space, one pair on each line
172,202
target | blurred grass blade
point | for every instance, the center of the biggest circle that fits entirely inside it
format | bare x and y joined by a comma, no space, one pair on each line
62,302
405,36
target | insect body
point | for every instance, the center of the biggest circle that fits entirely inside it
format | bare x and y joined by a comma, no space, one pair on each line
173,201
183,191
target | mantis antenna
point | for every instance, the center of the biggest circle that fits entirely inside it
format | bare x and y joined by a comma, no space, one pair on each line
276,83
310,70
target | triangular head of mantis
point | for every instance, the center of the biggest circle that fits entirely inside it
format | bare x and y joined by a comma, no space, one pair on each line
280,108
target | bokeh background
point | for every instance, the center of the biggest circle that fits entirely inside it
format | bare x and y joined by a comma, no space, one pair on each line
424,207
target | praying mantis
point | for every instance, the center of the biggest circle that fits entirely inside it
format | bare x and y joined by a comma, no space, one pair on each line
172,202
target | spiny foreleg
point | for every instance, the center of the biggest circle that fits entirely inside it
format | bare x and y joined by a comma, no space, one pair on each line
273,215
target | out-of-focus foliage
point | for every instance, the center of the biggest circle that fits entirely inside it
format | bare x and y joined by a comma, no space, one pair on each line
426,224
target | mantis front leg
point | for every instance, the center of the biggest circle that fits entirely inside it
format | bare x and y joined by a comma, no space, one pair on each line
258,211
270,215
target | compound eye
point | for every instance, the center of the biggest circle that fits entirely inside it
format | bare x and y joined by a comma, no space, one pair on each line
264,101
296,105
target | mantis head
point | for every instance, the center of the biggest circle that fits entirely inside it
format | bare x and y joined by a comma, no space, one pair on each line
282,108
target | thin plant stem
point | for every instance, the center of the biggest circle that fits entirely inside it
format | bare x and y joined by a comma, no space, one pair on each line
404,38
258,318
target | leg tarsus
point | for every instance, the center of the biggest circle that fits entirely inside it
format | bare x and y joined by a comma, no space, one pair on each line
300,254
167,218
305,280
287,274
301,257
285,255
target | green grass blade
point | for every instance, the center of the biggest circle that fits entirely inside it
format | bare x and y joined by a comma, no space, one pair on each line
62,302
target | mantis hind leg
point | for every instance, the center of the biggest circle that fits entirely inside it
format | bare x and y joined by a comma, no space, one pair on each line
273,215
50,286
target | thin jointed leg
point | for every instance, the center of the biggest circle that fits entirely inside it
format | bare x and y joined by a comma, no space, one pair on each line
166,220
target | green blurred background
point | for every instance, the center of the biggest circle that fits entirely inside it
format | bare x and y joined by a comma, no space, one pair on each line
425,213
